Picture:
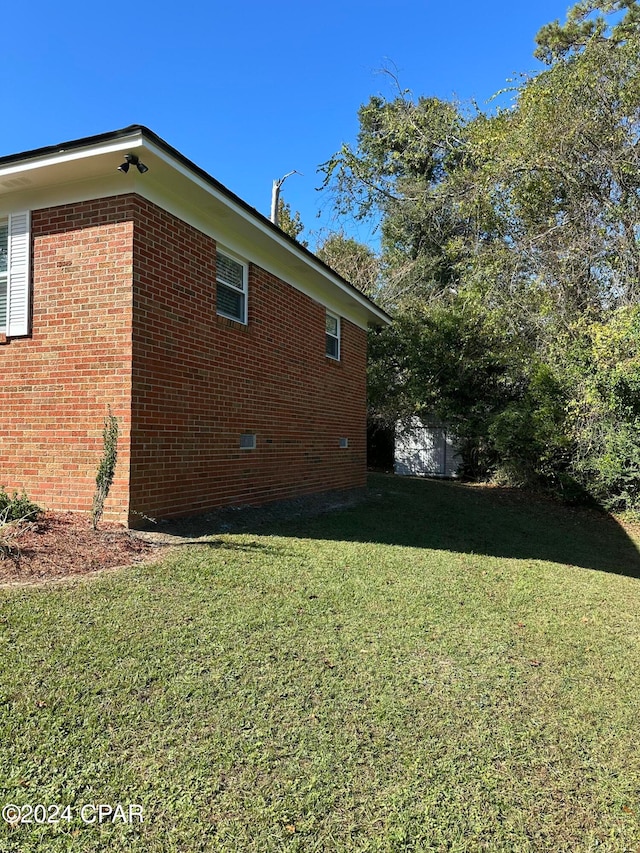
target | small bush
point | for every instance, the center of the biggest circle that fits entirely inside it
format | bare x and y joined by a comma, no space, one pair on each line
107,466
10,532
14,507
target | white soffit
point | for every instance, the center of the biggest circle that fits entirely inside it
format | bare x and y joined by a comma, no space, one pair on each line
64,165
61,175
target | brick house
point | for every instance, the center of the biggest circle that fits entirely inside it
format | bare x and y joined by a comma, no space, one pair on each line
233,358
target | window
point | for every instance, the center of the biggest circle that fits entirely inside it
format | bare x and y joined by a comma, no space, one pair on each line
231,288
333,336
14,274
248,441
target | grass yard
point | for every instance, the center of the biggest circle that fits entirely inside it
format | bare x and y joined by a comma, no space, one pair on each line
443,668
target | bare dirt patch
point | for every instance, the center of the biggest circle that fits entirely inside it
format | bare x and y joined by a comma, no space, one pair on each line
248,518
62,545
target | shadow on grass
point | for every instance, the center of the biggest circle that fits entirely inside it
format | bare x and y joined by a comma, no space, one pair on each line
497,522
445,516
450,516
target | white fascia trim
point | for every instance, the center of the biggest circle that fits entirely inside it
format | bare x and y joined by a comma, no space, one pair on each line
255,221
59,194
62,156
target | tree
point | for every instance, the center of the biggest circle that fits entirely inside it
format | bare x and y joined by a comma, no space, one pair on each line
561,174
354,261
510,247
584,26
289,222
599,363
398,173
456,361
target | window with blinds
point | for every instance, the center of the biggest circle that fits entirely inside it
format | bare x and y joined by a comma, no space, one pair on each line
231,288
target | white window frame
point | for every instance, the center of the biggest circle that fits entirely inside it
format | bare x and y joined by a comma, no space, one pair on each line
337,337
220,282
17,276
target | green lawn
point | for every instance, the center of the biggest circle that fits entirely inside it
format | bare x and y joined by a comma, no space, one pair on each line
443,668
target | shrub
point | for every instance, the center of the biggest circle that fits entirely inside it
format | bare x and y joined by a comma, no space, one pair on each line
17,514
604,371
107,466
15,507
10,533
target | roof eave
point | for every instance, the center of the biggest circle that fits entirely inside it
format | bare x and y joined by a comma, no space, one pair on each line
141,137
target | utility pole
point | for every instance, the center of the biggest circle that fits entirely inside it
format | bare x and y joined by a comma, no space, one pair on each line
275,194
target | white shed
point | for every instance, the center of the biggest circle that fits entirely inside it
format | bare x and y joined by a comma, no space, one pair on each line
426,449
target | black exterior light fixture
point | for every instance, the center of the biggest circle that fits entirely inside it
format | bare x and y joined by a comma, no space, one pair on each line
132,160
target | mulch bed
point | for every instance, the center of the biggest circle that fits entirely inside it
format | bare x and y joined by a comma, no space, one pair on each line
62,545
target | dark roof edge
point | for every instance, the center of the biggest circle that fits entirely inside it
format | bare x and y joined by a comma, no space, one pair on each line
74,143
177,155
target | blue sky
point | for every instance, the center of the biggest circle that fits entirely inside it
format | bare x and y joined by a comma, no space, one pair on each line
251,90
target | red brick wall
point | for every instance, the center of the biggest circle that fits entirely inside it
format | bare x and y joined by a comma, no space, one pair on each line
199,381
56,384
183,382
